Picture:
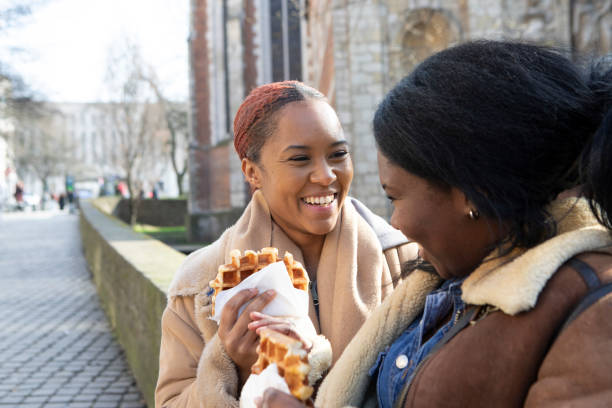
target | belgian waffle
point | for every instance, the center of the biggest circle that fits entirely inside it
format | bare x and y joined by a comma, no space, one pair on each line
243,266
289,356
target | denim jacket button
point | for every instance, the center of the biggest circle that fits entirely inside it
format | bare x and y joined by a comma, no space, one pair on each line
401,361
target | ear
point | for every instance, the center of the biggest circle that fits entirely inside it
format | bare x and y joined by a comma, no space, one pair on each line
252,173
461,203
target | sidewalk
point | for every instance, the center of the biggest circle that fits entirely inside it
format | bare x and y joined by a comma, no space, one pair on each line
56,347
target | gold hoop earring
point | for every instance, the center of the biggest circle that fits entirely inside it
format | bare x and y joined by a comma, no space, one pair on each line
474,214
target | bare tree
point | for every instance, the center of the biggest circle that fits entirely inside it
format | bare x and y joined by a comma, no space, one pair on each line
175,118
136,121
14,91
18,101
40,144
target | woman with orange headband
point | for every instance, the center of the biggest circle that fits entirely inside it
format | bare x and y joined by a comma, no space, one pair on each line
296,159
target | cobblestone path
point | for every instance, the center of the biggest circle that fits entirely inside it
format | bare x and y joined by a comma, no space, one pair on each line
56,347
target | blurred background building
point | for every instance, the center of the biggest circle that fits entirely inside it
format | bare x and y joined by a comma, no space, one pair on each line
146,144
354,51
88,149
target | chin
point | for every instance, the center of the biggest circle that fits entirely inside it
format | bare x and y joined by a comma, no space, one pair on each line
443,273
322,227
440,270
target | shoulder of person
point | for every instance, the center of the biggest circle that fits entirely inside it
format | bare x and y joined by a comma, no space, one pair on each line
388,236
199,268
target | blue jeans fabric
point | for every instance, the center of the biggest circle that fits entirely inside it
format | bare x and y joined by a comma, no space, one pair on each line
395,366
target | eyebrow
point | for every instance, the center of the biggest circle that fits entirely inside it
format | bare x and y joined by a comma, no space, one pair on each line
303,147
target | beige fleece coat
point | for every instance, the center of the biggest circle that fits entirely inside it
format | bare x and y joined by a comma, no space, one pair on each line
354,275
503,360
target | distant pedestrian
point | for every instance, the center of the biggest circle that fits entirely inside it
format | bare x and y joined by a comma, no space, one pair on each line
62,201
19,192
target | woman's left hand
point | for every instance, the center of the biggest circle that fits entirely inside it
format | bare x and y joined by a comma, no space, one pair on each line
274,398
283,325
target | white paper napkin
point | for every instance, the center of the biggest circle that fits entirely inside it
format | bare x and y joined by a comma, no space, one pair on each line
257,384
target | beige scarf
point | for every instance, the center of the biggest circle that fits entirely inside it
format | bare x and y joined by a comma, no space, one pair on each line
352,275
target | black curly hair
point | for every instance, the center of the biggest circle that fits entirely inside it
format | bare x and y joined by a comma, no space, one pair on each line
511,125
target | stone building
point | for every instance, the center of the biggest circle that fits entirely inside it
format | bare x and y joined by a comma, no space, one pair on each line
354,51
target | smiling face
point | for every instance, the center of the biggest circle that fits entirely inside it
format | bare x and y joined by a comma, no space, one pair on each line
438,220
304,170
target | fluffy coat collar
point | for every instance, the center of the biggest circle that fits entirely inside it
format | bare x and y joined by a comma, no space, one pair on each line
513,282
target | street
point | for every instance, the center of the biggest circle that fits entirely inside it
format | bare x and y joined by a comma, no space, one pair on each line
56,346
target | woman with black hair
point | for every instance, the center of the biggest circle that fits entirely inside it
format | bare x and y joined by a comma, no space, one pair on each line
497,157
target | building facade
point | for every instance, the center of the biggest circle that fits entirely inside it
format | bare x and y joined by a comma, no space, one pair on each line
354,51
86,146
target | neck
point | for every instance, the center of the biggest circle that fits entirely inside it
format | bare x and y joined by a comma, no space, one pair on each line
312,254
311,247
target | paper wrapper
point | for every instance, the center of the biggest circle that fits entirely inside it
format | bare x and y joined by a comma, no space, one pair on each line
288,301
256,385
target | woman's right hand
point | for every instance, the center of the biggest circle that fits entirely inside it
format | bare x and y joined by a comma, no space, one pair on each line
274,398
239,342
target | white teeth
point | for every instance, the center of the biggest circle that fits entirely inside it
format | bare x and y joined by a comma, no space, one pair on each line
326,200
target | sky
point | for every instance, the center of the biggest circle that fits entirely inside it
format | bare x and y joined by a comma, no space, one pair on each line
65,45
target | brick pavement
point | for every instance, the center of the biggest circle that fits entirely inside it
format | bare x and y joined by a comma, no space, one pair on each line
56,346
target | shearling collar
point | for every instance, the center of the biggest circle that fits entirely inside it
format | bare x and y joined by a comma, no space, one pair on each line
514,282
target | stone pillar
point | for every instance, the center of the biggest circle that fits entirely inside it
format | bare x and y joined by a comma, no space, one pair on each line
249,21
208,209
199,197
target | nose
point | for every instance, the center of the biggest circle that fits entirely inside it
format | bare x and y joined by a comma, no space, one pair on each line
393,219
323,174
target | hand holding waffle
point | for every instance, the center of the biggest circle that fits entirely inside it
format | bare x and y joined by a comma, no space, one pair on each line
284,275
239,342
283,287
280,357
292,327
274,398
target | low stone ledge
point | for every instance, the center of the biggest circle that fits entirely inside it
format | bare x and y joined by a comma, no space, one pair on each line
164,212
132,273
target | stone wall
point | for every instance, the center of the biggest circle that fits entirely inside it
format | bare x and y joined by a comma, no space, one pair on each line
378,42
132,273
319,48
360,70
162,213
591,27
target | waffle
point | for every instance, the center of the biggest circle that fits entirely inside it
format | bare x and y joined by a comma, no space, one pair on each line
243,266
289,356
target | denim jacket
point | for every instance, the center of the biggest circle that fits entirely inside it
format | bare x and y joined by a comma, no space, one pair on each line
396,365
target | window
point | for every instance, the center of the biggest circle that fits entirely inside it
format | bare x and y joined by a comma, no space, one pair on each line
283,29
93,146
